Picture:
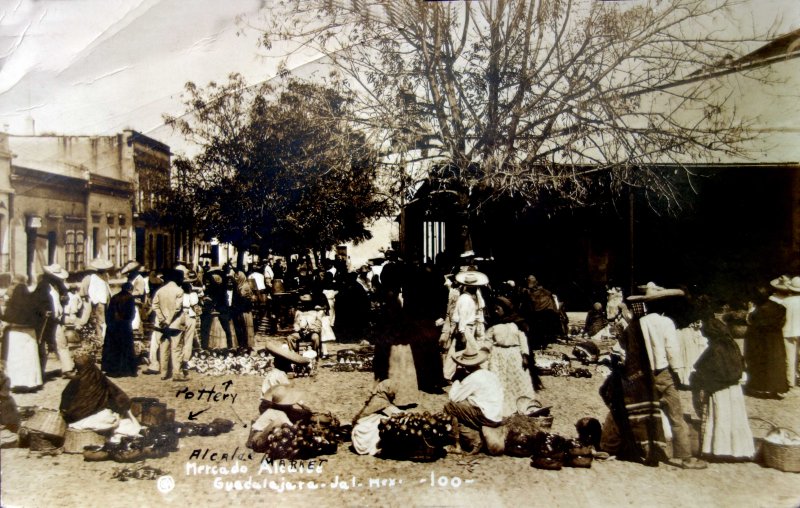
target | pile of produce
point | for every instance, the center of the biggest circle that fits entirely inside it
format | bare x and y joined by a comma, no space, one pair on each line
415,436
140,472
223,362
302,440
552,365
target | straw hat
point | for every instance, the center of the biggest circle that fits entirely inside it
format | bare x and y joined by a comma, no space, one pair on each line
285,395
467,253
100,264
786,283
130,266
283,351
794,285
472,278
654,292
531,407
56,271
470,357
306,298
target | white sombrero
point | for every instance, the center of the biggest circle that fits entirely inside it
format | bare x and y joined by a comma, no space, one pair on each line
654,292
56,271
472,278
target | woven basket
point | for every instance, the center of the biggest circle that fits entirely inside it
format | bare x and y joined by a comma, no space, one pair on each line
47,421
75,440
39,442
783,457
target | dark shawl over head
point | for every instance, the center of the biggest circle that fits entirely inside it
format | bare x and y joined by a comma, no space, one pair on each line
721,364
91,391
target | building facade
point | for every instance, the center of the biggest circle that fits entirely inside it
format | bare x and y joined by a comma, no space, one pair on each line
70,199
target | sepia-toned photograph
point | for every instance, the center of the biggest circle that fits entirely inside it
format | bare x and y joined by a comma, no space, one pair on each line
399,253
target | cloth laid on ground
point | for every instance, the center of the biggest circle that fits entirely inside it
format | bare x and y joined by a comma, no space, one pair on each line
89,392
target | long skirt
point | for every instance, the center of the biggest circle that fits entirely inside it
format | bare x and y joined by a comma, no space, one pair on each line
245,332
506,362
327,334
216,335
23,366
726,430
403,372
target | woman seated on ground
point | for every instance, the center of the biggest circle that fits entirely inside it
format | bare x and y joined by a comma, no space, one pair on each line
509,356
91,401
718,398
382,404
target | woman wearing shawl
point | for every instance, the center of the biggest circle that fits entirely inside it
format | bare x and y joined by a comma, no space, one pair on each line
119,358
20,345
509,356
764,350
717,395
89,394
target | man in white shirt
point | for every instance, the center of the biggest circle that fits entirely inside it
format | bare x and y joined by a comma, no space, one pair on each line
660,340
95,290
475,402
468,314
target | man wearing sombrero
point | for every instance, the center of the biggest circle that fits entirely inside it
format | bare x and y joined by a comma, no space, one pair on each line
652,355
475,402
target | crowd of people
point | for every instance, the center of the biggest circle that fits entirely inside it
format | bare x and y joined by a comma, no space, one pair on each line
457,331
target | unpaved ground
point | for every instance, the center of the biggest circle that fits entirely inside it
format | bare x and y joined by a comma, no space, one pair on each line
351,480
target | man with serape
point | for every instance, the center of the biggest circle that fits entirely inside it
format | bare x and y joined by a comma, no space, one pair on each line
647,386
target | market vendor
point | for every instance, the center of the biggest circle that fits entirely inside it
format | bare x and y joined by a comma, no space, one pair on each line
382,403
307,323
281,404
90,400
475,401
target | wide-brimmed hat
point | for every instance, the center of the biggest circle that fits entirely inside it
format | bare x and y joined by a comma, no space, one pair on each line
191,276
130,266
467,253
285,395
654,292
283,351
786,283
472,278
56,271
469,356
100,264
531,407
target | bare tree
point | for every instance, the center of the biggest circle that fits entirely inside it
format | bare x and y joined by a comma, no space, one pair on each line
558,100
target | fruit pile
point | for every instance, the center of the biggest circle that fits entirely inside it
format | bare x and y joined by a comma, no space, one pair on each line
301,441
409,435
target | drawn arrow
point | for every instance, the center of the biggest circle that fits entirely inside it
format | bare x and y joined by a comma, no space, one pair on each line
193,415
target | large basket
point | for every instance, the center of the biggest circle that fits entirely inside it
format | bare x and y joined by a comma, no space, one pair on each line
783,457
76,440
48,422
